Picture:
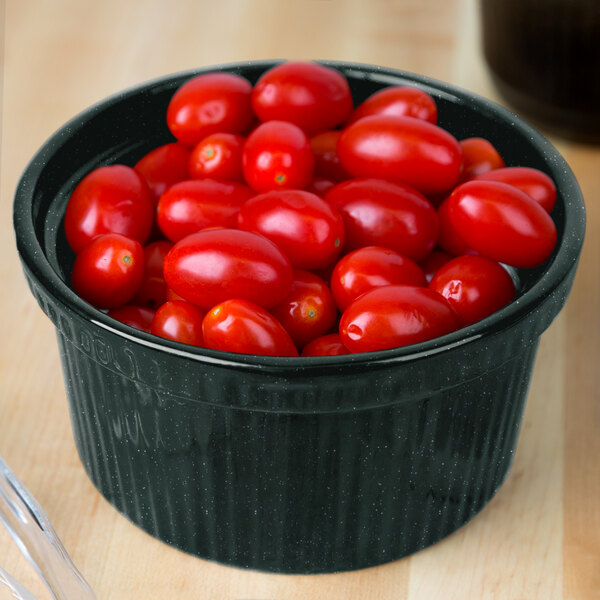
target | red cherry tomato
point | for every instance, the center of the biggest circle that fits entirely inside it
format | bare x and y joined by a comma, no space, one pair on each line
501,222
398,101
433,262
179,321
395,315
195,204
326,345
309,230
109,270
448,238
241,326
164,166
308,311
370,267
153,289
403,149
210,103
533,182
383,213
113,199
479,156
320,186
139,317
208,267
474,286
277,155
218,156
327,162
312,96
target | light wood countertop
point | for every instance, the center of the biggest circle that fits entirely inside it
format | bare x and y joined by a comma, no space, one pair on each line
539,538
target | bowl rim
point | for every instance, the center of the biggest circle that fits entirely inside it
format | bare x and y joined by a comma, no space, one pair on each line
558,267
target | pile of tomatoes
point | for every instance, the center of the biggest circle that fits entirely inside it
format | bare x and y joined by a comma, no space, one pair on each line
283,220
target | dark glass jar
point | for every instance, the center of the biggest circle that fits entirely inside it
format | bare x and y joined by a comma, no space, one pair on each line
544,56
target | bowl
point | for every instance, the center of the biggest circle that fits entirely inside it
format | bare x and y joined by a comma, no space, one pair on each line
292,465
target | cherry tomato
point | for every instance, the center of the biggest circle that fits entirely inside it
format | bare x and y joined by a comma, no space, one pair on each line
320,186
308,311
403,149
208,267
113,199
501,222
327,162
109,270
433,262
479,156
474,286
153,289
398,101
309,230
533,182
326,345
395,315
139,317
218,156
210,103
171,295
370,267
179,321
195,204
241,326
277,155
310,95
384,213
448,238
164,166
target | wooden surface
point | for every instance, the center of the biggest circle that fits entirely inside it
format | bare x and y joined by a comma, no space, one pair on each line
540,536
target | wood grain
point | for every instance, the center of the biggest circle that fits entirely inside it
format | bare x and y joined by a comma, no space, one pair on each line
539,538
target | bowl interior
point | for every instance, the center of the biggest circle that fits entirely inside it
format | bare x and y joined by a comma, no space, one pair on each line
126,126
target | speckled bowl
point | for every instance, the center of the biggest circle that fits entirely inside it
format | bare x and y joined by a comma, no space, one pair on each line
286,464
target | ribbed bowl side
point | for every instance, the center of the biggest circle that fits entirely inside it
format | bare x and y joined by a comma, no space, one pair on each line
297,493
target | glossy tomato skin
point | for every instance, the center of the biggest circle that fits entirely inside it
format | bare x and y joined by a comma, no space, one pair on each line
277,155
210,103
533,182
396,315
112,199
403,149
241,326
327,162
139,317
211,266
398,101
475,286
326,345
179,321
501,222
320,186
218,156
153,289
190,206
308,311
370,267
448,238
309,230
479,157
383,213
109,270
312,96
164,166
